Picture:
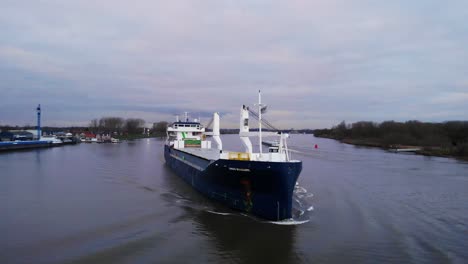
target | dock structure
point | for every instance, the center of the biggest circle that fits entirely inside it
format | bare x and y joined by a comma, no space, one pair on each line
18,140
405,149
30,144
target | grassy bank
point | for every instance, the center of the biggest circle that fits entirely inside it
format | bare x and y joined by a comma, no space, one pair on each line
424,150
449,139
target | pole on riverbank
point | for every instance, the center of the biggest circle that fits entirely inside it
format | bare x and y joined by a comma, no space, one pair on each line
38,109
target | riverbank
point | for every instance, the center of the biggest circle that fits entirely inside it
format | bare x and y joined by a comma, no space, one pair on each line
447,139
420,150
139,136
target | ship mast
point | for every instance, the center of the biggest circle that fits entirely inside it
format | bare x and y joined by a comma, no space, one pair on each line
260,121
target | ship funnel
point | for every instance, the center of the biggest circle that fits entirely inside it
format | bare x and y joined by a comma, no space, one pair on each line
244,127
216,134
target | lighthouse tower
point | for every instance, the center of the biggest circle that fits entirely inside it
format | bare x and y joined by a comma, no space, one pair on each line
38,109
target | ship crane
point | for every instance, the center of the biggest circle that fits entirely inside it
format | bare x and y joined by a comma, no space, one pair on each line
244,133
265,122
215,131
209,123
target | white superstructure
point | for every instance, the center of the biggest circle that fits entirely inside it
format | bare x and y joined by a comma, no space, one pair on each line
187,134
192,138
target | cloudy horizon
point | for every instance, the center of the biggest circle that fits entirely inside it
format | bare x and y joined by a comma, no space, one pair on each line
316,62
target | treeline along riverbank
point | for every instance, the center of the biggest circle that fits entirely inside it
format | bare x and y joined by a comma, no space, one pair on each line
117,127
438,139
127,129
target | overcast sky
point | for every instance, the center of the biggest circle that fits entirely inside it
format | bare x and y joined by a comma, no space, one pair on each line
316,62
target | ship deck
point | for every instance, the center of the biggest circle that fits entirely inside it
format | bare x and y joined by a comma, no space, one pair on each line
209,154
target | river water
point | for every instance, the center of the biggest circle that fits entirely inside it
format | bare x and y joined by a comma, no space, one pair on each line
119,203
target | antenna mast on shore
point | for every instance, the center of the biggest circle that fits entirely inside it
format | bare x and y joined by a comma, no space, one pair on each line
38,109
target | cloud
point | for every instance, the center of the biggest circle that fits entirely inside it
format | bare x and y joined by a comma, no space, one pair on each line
317,62
451,98
31,61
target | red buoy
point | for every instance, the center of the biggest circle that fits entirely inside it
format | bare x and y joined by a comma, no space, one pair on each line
316,146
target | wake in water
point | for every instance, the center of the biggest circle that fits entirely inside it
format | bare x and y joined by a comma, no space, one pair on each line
302,204
219,213
289,222
194,204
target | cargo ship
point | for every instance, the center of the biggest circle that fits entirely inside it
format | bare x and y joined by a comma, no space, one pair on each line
260,184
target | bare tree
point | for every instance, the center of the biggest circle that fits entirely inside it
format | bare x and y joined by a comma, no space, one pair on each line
94,125
134,125
160,127
112,124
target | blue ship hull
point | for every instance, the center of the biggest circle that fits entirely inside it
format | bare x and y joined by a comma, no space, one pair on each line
264,189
